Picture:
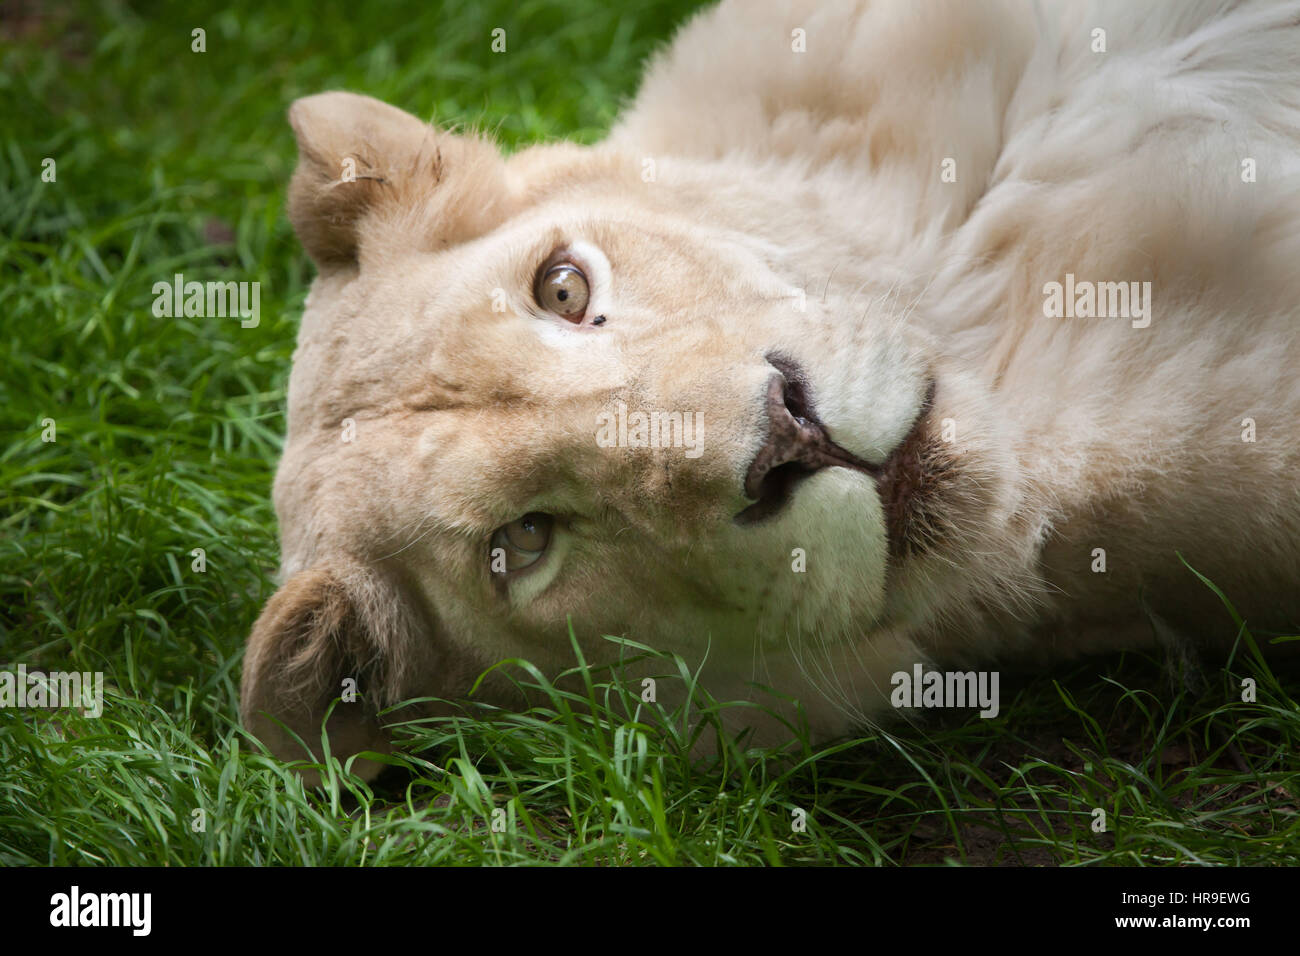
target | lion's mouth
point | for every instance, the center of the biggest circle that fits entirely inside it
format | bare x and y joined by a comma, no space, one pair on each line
798,446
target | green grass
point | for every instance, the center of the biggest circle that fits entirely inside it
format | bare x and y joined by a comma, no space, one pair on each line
167,435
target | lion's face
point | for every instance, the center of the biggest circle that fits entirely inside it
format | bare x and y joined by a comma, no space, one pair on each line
541,392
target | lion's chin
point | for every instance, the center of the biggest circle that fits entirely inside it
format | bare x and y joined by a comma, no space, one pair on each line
910,481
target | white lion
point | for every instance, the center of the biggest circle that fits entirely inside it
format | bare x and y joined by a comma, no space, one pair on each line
874,334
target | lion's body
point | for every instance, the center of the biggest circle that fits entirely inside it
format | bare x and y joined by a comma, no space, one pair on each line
1133,164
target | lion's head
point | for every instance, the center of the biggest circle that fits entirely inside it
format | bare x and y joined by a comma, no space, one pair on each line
578,385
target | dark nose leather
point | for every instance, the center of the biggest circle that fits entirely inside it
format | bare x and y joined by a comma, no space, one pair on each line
796,446
793,439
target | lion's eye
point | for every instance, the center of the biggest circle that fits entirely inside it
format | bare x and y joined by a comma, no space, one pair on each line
523,541
563,289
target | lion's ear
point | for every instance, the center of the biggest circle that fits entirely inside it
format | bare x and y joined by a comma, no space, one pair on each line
373,180
332,631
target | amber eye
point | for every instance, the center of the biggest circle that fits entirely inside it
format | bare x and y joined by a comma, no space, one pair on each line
521,542
563,289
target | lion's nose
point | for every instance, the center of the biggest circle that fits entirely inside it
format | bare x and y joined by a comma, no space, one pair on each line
795,447
793,438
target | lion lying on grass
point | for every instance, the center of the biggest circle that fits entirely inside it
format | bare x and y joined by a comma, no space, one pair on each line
873,335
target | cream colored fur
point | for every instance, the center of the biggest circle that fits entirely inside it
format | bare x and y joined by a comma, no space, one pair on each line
755,199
